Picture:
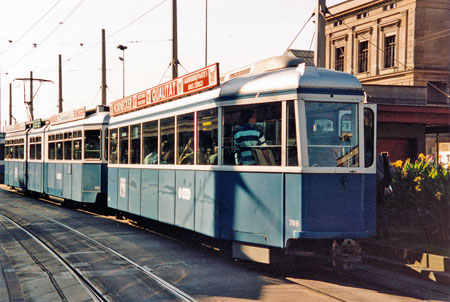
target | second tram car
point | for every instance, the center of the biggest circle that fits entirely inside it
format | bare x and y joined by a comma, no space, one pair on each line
281,154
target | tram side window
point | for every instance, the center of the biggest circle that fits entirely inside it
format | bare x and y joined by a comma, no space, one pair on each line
113,146
167,141
150,143
77,149
67,145
207,137
59,150
252,135
369,136
51,151
38,151
92,139
291,151
32,151
185,132
123,145
332,134
135,144
106,144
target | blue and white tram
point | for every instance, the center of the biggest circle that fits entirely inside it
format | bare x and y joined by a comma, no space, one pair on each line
2,157
74,164
194,162
15,155
35,160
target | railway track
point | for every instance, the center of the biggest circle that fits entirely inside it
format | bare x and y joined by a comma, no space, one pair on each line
143,274
365,276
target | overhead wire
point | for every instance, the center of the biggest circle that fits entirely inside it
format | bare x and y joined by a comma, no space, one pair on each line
48,35
31,27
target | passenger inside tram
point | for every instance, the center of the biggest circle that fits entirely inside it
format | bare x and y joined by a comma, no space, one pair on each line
187,155
247,136
166,150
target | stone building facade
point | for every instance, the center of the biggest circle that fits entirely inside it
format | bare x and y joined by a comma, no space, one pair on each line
401,43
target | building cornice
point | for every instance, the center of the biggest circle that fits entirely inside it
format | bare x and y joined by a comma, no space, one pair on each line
353,10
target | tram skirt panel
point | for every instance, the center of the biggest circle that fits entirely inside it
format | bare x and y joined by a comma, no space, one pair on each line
150,194
77,179
184,200
51,177
207,203
166,206
122,199
113,187
67,188
134,185
7,173
252,207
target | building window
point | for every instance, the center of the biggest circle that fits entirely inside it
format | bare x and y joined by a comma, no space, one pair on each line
436,92
363,52
389,51
339,58
362,15
338,22
390,6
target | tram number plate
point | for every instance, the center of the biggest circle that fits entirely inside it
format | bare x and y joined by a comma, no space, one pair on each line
294,222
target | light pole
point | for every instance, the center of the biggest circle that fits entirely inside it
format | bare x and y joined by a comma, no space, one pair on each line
122,58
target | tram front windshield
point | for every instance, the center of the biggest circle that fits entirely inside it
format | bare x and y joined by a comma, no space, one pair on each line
332,133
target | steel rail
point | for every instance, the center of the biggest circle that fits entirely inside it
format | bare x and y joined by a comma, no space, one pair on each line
163,284
95,293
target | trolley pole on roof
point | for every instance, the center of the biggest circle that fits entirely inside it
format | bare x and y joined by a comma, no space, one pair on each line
174,62
319,54
29,104
103,69
60,99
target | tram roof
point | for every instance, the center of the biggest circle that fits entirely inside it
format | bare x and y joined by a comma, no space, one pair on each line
302,79
299,79
95,119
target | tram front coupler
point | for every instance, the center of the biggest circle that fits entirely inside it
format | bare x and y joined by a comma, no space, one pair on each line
346,253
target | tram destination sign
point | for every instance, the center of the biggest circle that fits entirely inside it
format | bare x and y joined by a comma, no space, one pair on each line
16,127
202,79
68,116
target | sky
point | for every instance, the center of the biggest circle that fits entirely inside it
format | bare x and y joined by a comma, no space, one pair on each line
240,32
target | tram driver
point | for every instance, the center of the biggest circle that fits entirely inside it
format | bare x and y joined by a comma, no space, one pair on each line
246,138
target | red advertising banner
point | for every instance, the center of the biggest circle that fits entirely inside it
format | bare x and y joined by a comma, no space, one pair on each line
202,79
68,116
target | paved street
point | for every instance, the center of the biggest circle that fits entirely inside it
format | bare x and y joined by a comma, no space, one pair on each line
201,272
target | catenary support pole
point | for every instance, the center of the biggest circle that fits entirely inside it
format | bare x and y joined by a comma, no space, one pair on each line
319,54
174,62
60,99
31,95
103,69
